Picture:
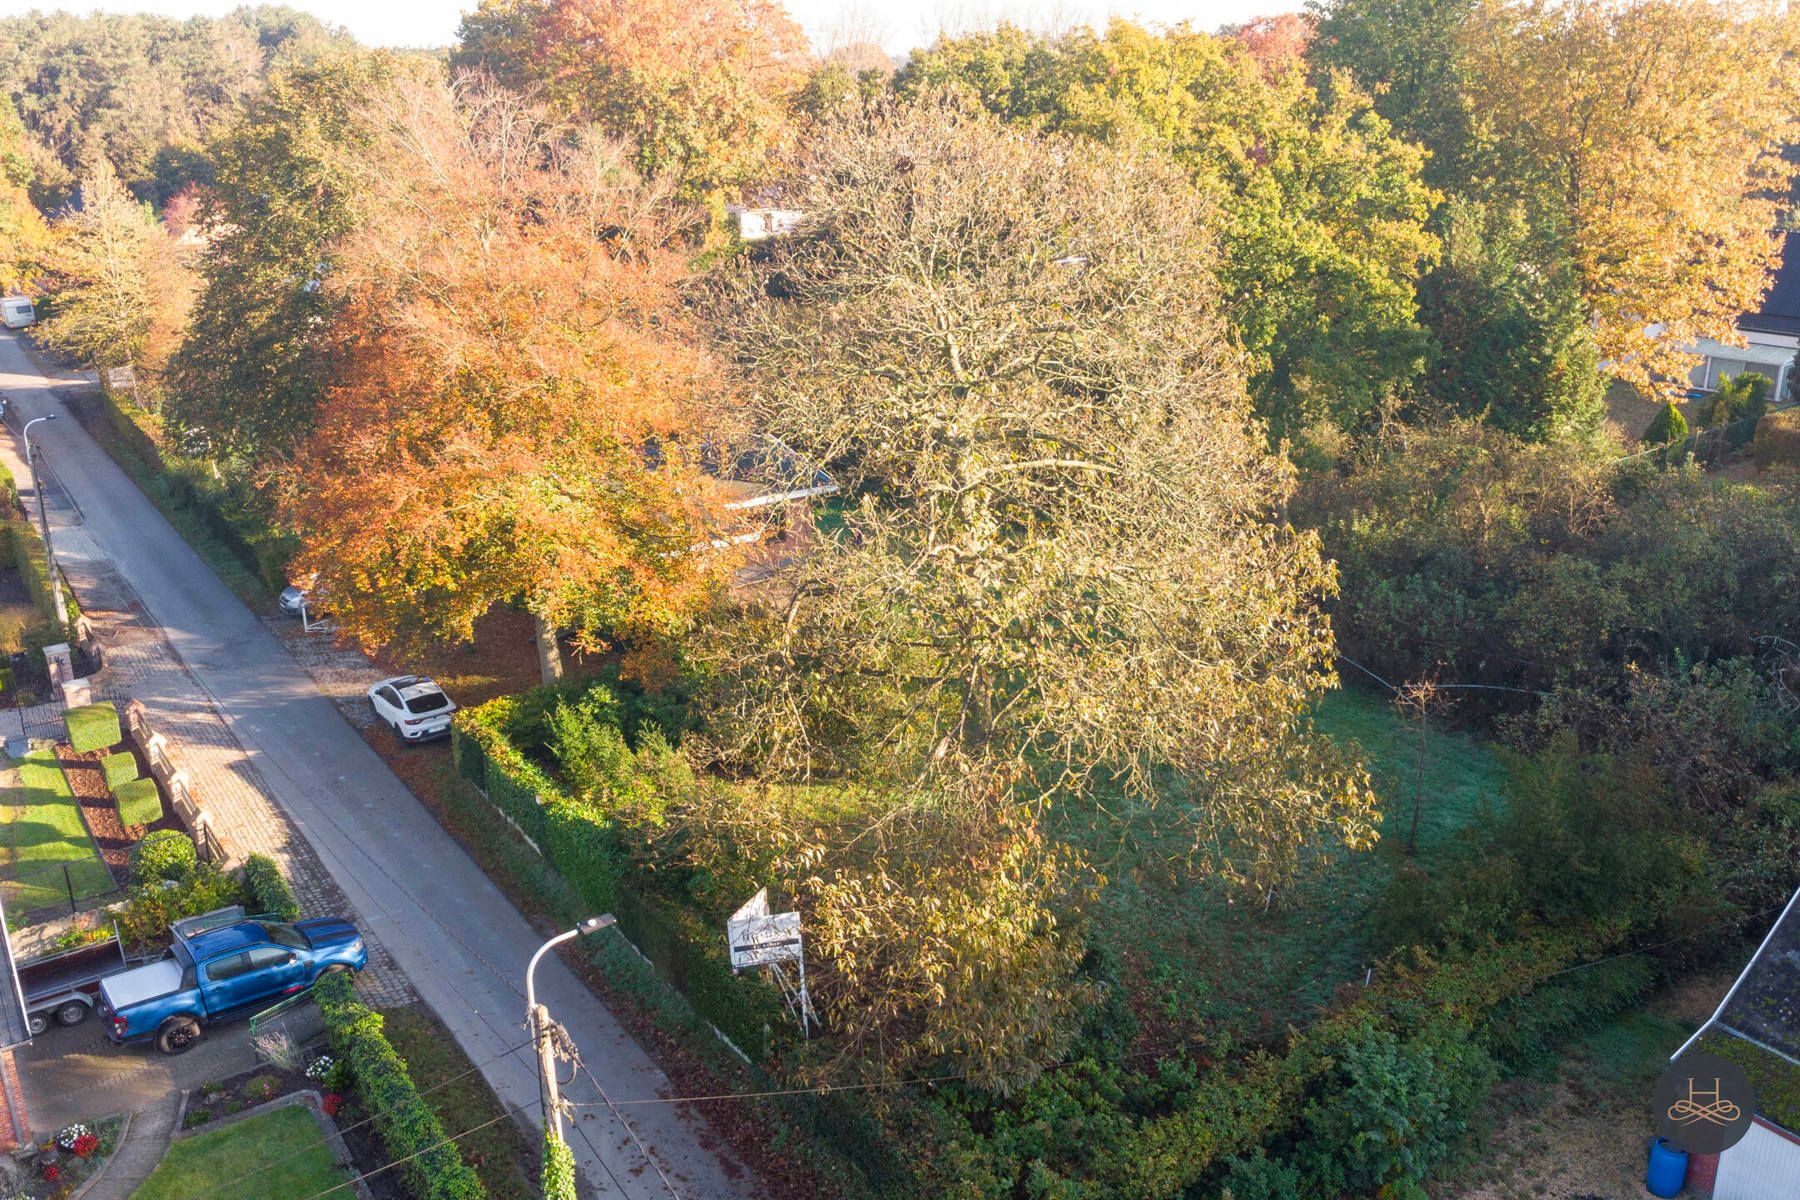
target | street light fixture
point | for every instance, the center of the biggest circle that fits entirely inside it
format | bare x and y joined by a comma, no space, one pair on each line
538,1018
56,592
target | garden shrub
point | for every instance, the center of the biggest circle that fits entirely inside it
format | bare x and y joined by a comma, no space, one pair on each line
1777,440
93,727
1668,425
408,1128
1391,1110
269,892
119,768
1739,403
140,802
164,854
1260,1177
145,918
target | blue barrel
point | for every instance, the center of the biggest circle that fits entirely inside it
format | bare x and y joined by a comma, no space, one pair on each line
1667,1171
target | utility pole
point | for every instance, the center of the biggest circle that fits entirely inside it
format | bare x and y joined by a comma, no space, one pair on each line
544,1030
56,592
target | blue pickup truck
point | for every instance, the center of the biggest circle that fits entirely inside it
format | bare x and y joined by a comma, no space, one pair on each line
216,971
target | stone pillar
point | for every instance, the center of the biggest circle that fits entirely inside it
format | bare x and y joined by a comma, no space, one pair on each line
60,662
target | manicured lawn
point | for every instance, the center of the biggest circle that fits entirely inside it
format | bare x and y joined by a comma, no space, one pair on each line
40,831
286,1141
1203,959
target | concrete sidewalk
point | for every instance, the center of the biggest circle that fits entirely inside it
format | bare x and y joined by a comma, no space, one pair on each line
282,751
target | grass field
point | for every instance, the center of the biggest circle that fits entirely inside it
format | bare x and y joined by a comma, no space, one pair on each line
40,832
1208,961
286,1141
462,1100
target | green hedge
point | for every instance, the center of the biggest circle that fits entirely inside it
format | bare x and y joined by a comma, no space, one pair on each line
164,854
119,768
687,949
269,892
226,510
93,727
409,1129
139,802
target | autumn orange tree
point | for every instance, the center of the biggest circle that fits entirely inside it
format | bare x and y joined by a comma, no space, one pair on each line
511,397
1653,130
698,87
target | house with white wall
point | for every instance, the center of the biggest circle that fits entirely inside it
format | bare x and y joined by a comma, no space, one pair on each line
1757,1026
1772,334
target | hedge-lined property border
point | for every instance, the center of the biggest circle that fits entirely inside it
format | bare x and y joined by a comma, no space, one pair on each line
269,892
686,950
409,1129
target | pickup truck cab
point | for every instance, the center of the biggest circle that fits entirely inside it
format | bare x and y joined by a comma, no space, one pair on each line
214,973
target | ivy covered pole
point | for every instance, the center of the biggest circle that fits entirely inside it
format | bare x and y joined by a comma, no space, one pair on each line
544,1035
559,1168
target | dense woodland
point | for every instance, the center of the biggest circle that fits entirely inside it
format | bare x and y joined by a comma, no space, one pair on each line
1159,368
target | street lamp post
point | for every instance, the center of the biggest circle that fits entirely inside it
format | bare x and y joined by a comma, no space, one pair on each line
56,591
538,1018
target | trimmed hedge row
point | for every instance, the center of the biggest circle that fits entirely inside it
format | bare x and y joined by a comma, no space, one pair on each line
93,727
140,803
269,892
409,1129
22,548
223,510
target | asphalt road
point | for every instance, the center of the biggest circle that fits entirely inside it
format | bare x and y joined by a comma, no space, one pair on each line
459,940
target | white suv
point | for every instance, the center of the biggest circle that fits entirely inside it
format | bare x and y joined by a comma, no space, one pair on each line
414,707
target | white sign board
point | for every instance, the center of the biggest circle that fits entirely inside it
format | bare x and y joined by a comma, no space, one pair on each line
121,377
758,937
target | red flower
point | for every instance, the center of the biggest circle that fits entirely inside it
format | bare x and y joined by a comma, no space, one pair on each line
85,1145
52,1173
332,1103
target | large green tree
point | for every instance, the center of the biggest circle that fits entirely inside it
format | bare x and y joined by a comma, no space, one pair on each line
142,92
1325,231
110,270
1058,577
249,377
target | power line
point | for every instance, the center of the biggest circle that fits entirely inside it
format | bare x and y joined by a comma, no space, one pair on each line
637,1141
400,1161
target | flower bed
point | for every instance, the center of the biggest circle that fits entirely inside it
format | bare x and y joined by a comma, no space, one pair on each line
70,1158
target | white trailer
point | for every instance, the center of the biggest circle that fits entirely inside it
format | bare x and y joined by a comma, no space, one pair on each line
16,312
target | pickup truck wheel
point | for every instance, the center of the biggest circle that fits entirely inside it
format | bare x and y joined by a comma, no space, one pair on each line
178,1035
72,1013
37,1023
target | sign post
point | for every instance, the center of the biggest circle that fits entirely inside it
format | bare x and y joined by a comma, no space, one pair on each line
758,938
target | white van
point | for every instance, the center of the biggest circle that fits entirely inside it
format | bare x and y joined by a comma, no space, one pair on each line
16,312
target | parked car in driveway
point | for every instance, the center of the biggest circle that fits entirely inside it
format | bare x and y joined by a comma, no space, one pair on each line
414,707
293,596
215,973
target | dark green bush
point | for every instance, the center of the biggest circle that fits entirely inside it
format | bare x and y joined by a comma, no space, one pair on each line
1391,1109
145,918
164,854
409,1129
1260,1177
269,892
1667,426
